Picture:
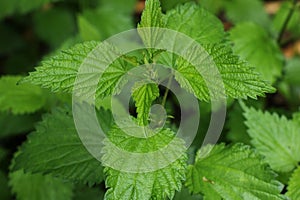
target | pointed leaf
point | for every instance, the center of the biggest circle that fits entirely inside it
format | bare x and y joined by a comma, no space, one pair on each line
20,99
59,72
233,172
240,81
151,17
196,22
276,138
140,185
144,96
55,148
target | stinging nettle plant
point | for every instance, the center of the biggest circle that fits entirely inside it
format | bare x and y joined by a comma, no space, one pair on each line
54,157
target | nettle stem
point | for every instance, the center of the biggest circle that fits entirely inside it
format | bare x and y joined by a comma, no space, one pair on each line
164,100
286,21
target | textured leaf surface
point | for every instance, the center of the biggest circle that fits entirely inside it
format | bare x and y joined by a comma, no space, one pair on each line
240,81
195,22
277,138
59,72
233,172
55,148
254,44
144,96
20,99
294,185
112,79
39,187
157,184
151,17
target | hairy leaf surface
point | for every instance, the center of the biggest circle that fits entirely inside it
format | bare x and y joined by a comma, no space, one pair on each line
55,148
233,172
142,185
240,80
143,96
100,74
275,137
151,17
294,185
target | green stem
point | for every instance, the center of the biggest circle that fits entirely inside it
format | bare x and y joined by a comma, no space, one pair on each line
286,21
164,100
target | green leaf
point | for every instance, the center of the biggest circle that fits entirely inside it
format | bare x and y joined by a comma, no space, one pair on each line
292,72
240,80
54,26
55,148
169,4
293,25
39,187
102,23
140,185
237,130
113,79
151,17
87,30
294,185
233,172
184,194
214,6
247,10
20,99
196,22
276,138
16,124
143,96
253,44
60,71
